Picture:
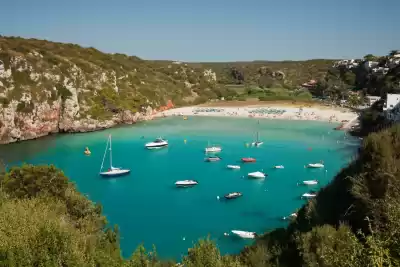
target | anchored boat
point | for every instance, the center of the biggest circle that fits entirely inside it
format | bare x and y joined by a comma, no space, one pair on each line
244,234
112,171
257,175
234,167
310,182
248,160
315,165
212,158
157,144
186,183
233,195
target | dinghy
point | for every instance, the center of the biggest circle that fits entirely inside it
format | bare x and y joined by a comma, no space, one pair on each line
186,183
310,182
247,160
291,216
315,165
309,195
234,167
279,167
213,158
112,171
258,175
244,234
233,195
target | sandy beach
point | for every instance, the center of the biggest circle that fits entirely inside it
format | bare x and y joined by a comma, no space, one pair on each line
269,111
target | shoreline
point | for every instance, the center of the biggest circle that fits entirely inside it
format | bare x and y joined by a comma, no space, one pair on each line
277,112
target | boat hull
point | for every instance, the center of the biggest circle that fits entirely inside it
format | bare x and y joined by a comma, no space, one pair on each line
248,160
232,197
156,147
233,167
115,173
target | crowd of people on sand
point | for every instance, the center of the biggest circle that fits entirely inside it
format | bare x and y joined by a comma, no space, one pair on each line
286,113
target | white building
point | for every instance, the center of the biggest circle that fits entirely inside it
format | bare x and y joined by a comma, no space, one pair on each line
392,101
392,107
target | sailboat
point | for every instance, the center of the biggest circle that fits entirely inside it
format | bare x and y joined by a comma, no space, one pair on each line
112,171
257,142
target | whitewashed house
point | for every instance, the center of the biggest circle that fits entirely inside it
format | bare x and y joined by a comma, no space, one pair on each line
392,107
370,64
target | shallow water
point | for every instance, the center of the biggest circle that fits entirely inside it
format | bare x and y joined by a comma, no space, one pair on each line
150,210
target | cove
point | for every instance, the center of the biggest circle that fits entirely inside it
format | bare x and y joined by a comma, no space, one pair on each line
150,210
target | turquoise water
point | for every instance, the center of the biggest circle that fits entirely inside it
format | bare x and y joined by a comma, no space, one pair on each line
150,210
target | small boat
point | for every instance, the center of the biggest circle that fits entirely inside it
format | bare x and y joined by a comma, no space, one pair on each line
279,167
87,151
157,144
247,160
234,167
315,165
310,194
186,183
291,216
244,234
112,171
212,149
258,175
213,158
257,143
310,182
233,195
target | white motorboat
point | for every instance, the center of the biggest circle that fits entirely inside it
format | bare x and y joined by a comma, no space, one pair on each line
315,165
279,167
309,195
310,182
291,216
258,175
157,144
112,171
234,167
244,234
257,143
212,159
233,195
212,148
186,183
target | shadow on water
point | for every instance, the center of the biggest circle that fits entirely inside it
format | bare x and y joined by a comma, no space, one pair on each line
29,149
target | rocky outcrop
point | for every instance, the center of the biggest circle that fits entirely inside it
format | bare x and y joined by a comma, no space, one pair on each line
84,90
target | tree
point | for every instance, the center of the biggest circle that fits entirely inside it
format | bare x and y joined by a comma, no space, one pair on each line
370,57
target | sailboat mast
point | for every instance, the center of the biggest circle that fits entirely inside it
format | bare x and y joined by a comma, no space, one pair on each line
104,156
257,137
110,153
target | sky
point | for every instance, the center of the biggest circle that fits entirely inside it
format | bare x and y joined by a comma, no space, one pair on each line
212,30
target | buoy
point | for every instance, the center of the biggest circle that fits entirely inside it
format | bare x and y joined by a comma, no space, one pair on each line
184,238
247,145
218,197
184,141
87,151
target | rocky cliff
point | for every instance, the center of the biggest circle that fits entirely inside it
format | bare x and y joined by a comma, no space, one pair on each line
48,87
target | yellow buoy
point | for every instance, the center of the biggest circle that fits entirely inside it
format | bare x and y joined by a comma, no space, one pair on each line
87,151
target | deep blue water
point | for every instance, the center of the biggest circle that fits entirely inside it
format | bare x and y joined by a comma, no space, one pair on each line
150,210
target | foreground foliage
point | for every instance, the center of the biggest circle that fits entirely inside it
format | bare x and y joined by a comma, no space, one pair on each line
354,221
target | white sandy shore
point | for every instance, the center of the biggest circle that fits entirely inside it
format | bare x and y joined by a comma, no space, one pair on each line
289,113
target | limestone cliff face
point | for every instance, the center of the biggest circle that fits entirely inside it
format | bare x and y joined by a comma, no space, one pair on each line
48,88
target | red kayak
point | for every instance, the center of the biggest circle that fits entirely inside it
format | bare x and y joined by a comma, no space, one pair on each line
248,159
